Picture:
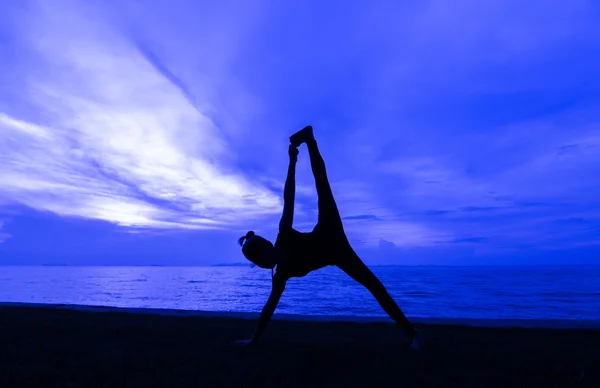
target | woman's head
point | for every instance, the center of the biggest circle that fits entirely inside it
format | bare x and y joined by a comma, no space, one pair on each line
258,250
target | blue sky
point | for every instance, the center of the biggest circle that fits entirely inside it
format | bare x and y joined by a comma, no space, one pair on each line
155,132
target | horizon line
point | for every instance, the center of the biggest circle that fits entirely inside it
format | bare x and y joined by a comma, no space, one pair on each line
249,265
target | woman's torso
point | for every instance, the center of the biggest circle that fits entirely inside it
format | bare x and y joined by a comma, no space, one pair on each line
301,253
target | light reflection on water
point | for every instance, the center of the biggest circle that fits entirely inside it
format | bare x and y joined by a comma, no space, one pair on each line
435,292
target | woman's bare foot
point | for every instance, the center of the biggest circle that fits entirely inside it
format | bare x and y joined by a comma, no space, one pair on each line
302,136
417,341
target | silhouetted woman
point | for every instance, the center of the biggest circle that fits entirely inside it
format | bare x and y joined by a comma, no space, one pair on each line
295,254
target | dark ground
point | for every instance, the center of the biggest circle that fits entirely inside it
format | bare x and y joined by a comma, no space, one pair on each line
61,348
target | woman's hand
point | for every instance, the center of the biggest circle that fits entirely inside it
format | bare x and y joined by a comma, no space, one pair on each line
293,152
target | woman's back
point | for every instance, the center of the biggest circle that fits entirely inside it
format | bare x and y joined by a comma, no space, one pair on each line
300,253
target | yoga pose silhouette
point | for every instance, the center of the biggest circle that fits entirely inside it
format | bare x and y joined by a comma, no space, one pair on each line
295,254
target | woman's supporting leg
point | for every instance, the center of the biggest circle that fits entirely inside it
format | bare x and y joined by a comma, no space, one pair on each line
352,265
328,210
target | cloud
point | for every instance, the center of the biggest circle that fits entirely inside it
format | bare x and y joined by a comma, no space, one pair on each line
121,141
386,245
402,233
474,240
364,217
479,208
3,236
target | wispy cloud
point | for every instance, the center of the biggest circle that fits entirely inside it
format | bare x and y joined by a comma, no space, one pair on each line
120,141
516,205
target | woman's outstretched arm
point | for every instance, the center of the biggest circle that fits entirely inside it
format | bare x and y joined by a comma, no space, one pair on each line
267,311
289,191
279,282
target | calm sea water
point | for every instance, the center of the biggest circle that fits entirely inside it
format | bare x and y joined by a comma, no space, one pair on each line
563,292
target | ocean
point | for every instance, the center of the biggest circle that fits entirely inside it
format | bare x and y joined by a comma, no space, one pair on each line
511,292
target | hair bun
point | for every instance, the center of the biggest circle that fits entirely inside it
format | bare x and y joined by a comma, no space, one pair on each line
249,234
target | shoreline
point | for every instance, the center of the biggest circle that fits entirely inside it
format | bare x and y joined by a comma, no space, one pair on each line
553,324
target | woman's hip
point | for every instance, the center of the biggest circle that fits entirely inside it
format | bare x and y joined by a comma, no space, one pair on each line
330,232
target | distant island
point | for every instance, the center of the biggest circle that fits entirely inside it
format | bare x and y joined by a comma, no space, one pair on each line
237,264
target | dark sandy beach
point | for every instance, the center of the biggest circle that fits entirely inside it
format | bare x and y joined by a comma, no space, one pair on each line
63,348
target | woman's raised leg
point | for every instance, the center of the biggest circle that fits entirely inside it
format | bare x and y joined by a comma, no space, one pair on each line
328,210
329,215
